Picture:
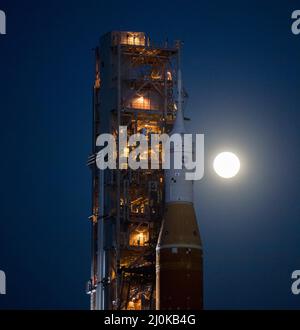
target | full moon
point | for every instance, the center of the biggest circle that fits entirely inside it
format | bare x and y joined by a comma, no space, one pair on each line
227,165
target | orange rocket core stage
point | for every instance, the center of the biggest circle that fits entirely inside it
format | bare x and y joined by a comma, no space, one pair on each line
179,270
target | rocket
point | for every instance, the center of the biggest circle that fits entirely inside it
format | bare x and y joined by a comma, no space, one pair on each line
179,261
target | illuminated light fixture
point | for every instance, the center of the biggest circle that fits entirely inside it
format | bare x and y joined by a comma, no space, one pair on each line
141,102
155,75
135,39
131,305
126,152
138,238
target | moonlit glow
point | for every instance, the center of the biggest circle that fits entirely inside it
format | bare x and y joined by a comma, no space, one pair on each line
227,165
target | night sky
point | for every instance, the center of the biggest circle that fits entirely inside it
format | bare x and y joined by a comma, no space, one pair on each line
241,67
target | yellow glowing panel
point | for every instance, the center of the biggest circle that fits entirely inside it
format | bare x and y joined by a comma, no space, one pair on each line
155,75
141,103
139,238
135,39
134,305
131,306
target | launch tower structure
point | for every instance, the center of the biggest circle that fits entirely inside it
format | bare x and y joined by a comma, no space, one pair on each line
134,87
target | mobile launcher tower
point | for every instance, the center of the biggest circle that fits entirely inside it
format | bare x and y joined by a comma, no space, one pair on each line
139,261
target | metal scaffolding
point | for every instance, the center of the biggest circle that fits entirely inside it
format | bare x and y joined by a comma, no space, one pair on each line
134,87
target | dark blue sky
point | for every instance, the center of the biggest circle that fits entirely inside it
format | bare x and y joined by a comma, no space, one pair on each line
241,66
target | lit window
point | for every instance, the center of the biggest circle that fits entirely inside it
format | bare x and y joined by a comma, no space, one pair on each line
139,238
141,103
131,38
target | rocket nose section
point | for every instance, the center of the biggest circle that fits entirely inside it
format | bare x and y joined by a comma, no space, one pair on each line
180,226
179,127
